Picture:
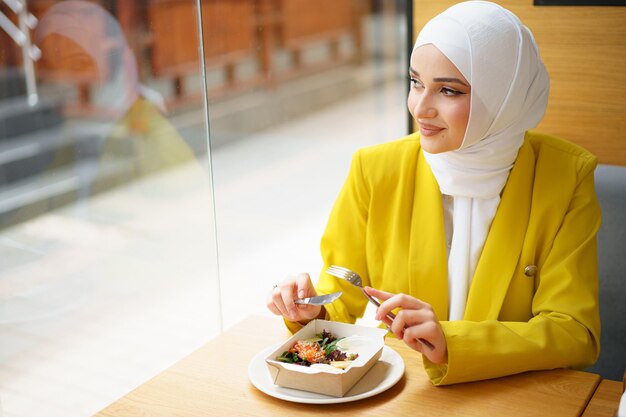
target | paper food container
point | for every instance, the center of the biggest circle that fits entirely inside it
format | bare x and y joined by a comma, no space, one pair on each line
368,342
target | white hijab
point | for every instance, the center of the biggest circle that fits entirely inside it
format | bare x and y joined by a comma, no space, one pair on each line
119,85
497,54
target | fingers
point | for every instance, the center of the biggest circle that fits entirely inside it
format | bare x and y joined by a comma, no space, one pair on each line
275,301
271,305
396,301
381,295
407,318
413,343
432,333
288,293
304,285
420,328
416,323
280,301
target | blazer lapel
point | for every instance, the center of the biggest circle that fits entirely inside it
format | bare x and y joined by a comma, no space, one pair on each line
428,267
504,242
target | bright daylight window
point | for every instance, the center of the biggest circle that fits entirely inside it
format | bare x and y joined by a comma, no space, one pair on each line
117,205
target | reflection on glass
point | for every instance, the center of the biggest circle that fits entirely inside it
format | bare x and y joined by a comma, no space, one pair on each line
108,265
107,240
320,80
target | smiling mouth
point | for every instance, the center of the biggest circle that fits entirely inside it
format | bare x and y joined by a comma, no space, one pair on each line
429,130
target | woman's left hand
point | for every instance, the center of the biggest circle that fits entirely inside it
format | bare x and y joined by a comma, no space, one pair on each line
416,320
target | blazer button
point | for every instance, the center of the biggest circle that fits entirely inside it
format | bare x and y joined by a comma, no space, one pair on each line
530,270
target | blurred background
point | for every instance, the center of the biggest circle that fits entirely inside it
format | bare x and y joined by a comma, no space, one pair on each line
162,164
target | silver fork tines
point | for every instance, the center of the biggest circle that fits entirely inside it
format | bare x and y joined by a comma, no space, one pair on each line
344,273
354,279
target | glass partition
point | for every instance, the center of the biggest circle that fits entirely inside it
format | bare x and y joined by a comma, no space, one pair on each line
299,89
114,201
108,268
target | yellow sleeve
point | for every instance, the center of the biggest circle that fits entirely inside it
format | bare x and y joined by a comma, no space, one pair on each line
565,328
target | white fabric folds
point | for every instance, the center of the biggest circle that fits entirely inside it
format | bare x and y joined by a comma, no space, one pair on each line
498,55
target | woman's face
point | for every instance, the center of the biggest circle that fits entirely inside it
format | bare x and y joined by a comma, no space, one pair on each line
439,100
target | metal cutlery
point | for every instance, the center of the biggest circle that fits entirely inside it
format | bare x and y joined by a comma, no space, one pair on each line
319,300
354,279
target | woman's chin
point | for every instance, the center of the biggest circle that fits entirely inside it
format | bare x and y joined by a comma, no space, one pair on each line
432,146
437,144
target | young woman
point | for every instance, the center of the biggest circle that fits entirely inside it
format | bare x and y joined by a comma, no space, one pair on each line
478,233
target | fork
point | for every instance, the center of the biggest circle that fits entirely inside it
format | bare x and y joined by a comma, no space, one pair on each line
354,279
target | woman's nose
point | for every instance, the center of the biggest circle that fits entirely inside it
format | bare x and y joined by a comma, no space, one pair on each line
424,107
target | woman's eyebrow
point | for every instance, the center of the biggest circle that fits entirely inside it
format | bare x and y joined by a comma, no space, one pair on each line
450,80
441,79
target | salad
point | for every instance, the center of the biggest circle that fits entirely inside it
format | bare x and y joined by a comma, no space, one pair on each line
320,349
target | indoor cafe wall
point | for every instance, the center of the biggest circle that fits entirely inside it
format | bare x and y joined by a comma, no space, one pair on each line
584,50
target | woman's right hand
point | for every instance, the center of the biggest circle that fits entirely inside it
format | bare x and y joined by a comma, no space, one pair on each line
280,301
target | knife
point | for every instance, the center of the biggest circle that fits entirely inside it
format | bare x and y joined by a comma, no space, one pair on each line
320,299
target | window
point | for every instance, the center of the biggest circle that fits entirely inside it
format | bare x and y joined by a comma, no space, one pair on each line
117,205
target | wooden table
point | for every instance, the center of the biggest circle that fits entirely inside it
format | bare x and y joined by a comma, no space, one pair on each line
213,381
605,400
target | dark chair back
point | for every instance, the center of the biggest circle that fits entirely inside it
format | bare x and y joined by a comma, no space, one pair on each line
611,191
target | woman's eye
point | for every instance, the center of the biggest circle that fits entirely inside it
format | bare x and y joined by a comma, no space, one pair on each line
415,83
450,92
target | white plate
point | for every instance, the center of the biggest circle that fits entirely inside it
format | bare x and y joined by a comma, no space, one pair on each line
383,375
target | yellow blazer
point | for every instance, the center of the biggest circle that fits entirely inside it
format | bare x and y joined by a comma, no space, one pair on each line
387,225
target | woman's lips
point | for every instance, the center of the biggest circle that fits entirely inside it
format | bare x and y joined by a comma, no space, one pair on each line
429,130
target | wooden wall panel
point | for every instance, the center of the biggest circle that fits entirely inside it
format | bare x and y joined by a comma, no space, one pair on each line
584,50
228,32
306,19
